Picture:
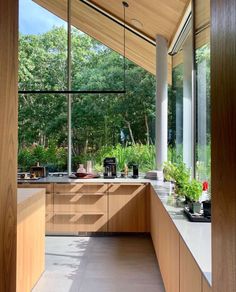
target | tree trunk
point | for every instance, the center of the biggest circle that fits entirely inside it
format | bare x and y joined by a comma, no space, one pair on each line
130,132
147,129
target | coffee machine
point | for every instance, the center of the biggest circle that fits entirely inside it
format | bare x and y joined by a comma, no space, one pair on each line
110,166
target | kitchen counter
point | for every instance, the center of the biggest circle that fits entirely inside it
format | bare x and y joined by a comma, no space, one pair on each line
197,236
30,237
66,179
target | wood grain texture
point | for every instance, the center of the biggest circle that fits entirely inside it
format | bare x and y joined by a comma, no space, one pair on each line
127,208
157,16
205,285
202,13
49,206
8,142
190,275
30,241
223,157
108,32
168,251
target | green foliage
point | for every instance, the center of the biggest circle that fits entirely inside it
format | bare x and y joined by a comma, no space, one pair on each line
55,158
97,120
143,155
193,190
179,173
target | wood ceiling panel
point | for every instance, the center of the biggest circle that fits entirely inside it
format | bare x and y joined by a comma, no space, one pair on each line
107,32
156,16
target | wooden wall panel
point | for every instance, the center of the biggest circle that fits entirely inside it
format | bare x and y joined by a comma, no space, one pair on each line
190,275
8,143
223,103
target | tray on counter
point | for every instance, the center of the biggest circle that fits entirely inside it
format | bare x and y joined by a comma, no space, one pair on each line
196,217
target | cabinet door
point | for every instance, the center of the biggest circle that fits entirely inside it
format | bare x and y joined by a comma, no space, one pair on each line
49,202
154,219
81,188
80,207
72,223
127,208
190,275
168,251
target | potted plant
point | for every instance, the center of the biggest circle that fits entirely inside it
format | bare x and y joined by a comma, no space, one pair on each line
193,191
177,173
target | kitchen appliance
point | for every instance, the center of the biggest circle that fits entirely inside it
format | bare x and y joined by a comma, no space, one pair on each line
135,171
38,171
110,166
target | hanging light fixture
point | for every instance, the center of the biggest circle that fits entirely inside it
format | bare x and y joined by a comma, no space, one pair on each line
125,5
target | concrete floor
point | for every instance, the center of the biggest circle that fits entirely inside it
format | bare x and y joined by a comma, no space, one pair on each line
100,264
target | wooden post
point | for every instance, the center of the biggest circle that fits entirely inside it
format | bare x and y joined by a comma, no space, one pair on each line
223,103
8,142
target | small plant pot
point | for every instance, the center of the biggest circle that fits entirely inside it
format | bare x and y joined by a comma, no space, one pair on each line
194,207
206,208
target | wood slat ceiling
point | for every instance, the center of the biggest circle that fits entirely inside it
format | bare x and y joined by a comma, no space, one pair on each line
160,19
156,16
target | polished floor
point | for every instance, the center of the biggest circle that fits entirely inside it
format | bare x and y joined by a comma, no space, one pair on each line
100,264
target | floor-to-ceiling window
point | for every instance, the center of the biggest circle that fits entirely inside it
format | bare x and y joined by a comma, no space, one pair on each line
203,107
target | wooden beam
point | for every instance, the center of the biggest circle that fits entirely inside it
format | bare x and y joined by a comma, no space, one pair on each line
223,102
8,142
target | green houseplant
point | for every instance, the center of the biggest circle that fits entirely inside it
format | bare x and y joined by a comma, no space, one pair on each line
193,191
177,173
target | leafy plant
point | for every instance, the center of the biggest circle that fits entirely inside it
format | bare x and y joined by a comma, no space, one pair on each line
179,173
193,190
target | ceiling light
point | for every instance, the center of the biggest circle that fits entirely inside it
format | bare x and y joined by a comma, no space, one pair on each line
136,23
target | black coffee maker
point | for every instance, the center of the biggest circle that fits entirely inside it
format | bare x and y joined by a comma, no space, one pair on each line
110,166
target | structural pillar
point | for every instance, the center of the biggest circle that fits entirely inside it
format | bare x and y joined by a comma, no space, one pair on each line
188,104
8,142
161,101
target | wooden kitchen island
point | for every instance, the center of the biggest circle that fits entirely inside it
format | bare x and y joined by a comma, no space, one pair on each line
30,237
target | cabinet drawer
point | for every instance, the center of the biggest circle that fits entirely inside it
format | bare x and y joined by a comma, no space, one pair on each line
81,188
48,187
49,203
70,202
79,222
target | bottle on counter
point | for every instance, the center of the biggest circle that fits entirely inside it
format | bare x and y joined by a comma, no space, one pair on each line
81,169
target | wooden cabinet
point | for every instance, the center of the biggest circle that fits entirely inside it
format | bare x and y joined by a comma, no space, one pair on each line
30,239
79,208
127,208
154,220
190,275
49,201
168,249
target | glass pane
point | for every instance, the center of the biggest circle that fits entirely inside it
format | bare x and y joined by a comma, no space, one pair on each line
42,46
176,111
203,113
42,131
116,125
95,66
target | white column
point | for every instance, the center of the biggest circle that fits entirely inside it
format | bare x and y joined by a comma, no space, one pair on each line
161,101
187,104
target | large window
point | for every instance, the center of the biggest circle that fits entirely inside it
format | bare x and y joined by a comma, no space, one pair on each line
203,106
100,125
176,110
